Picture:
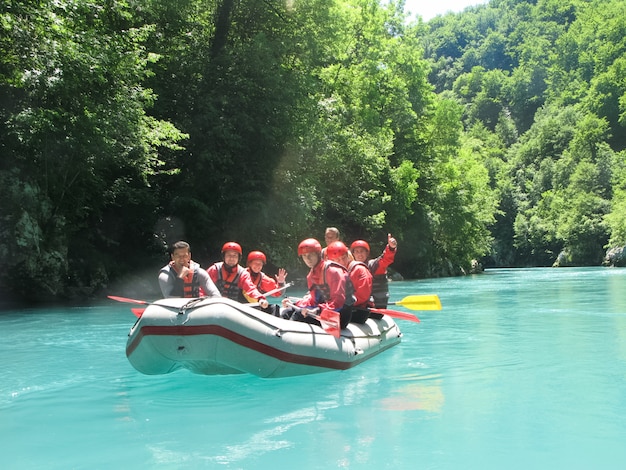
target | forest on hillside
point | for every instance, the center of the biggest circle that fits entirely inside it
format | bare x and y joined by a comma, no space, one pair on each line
496,134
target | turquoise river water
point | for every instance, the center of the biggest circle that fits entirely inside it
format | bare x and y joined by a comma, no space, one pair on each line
522,369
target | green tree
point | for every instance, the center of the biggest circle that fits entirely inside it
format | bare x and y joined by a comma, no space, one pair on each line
78,146
616,217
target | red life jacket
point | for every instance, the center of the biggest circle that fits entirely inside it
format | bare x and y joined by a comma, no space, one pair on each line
188,287
321,292
369,301
228,282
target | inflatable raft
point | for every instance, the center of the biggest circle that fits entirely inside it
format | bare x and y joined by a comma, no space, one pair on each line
220,336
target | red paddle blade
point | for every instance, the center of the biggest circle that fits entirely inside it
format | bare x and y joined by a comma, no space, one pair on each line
331,329
330,322
130,301
138,312
396,314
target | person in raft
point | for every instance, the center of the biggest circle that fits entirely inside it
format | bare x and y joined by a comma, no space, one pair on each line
183,277
332,234
378,268
232,279
328,284
264,283
361,279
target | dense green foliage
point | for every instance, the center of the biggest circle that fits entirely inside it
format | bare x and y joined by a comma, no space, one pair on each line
496,134
543,84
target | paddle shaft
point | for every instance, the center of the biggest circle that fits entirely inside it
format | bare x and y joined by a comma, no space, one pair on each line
330,326
145,302
127,300
278,289
395,314
389,313
412,302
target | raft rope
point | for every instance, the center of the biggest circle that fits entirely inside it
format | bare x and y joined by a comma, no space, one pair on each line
277,330
192,303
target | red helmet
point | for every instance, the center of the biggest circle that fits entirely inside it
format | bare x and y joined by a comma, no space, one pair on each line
232,246
360,244
336,250
310,245
256,255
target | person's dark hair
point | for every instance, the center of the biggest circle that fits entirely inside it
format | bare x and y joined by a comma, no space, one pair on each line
178,245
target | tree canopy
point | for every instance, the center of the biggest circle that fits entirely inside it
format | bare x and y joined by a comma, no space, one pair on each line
494,134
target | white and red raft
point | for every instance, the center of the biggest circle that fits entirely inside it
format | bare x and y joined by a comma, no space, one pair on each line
216,336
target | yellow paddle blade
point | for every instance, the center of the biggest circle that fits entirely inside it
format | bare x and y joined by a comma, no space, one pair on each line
420,302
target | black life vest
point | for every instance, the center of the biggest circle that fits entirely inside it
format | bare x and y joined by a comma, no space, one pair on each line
380,286
228,286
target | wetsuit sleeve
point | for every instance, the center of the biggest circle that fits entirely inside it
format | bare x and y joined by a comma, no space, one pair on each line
212,272
246,285
207,284
362,281
269,284
165,283
306,301
384,260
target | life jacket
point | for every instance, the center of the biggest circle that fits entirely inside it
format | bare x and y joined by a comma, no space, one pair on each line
350,269
188,287
229,286
257,281
354,264
380,286
321,291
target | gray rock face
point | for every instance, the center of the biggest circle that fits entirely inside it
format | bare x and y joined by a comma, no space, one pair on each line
615,257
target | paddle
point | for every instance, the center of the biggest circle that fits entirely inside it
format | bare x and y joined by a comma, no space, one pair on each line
130,301
267,294
136,311
144,302
139,311
329,320
278,289
395,314
419,302
412,302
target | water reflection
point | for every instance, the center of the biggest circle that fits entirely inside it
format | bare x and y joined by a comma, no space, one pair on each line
416,396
